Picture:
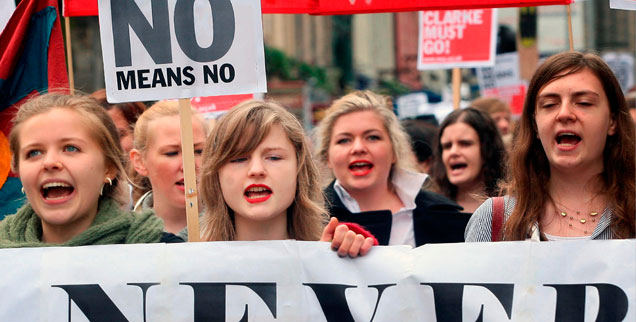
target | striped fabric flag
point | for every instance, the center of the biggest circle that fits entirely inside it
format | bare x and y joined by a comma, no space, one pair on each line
32,62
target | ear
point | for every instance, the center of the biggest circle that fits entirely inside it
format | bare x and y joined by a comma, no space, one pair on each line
111,172
612,128
138,162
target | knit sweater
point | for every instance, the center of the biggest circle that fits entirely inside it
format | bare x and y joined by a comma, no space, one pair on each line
110,226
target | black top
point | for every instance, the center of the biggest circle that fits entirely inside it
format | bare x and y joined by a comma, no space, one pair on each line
436,219
167,237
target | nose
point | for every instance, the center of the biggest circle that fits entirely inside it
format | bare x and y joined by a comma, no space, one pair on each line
256,168
358,146
503,126
51,162
566,113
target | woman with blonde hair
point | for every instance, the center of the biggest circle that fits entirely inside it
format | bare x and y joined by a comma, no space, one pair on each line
572,162
259,182
67,154
158,166
362,142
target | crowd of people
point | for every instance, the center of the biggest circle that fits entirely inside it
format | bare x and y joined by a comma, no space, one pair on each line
95,173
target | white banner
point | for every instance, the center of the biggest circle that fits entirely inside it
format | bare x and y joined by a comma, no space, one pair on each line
306,281
181,48
623,4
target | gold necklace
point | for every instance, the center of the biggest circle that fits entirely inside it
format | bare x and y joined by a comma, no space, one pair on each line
590,217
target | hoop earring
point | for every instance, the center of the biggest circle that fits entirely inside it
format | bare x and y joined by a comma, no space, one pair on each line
110,183
23,191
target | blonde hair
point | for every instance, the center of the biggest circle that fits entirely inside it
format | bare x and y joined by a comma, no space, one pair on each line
239,132
360,101
141,137
99,125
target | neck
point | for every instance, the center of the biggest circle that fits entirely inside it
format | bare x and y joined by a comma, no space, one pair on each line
469,197
577,188
273,229
174,218
377,198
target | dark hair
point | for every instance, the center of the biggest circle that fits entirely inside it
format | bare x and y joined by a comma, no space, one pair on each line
422,139
130,110
491,148
529,166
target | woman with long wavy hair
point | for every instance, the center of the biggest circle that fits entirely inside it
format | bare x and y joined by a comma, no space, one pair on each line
572,161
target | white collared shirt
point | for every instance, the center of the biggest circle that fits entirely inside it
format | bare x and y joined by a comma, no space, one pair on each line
407,185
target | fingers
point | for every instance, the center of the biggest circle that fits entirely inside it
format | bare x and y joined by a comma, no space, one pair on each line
348,239
366,246
354,250
339,237
328,231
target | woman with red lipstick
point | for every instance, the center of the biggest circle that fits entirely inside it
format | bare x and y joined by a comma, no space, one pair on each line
469,158
158,165
67,153
259,182
572,160
361,141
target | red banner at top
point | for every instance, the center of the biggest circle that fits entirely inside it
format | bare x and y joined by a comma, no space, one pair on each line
345,7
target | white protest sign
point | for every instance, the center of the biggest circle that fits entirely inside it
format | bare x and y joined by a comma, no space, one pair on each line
163,49
306,281
505,72
622,64
623,4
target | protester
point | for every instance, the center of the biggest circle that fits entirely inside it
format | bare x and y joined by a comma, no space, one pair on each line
259,182
66,153
422,139
158,165
572,163
469,158
361,141
498,110
124,115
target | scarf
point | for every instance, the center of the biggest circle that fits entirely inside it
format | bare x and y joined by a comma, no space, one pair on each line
111,226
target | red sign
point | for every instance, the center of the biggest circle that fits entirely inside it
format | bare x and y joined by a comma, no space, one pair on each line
214,105
514,95
456,38
343,7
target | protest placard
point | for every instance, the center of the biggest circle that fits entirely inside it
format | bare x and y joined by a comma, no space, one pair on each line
212,107
503,81
181,49
306,281
623,4
456,38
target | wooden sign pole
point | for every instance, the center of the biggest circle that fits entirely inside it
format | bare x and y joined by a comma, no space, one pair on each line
69,54
457,83
570,28
187,146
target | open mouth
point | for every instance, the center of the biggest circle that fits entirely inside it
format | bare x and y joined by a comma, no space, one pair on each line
180,184
55,191
458,166
360,167
567,139
257,193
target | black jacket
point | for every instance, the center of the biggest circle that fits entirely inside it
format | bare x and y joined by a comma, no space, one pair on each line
436,219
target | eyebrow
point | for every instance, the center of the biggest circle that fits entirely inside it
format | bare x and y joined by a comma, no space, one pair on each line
363,133
575,94
274,148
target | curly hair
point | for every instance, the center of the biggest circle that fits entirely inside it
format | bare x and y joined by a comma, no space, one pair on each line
239,132
491,148
529,165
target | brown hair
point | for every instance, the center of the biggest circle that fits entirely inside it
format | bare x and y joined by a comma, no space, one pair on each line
100,126
240,131
359,101
490,105
529,166
130,110
141,137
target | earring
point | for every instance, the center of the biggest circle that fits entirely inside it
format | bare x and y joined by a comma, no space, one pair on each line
23,190
110,183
